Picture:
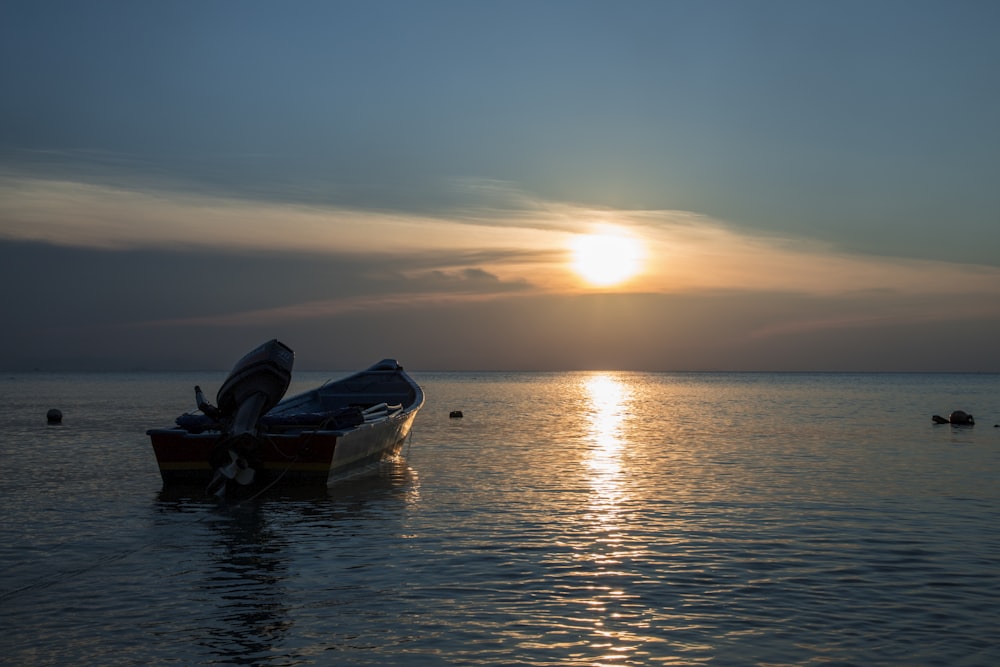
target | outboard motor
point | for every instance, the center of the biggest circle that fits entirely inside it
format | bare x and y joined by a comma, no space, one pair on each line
255,385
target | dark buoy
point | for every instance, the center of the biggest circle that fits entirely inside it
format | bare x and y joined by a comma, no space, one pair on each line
959,417
54,416
456,414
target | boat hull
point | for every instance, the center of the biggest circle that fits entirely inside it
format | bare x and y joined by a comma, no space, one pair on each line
316,437
305,458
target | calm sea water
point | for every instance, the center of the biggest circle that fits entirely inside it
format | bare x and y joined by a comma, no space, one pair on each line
567,519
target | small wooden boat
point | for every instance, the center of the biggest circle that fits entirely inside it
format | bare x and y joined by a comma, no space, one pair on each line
252,437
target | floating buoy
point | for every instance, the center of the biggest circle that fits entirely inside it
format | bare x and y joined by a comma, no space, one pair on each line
959,417
456,414
54,416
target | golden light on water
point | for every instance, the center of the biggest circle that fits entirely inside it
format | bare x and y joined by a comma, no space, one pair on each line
609,605
609,256
607,396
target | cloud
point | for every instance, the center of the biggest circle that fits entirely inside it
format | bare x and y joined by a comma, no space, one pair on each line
705,254
488,234
432,288
154,308
101,216
875,310
325,309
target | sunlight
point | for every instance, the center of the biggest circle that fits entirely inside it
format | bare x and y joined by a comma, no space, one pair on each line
606,396
607,257
609,398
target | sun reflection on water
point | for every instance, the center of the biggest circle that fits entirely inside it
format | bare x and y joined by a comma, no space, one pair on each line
609,398
612,610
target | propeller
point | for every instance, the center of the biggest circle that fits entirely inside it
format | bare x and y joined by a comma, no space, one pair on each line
237,470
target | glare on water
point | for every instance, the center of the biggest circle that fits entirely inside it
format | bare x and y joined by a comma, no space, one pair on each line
608,398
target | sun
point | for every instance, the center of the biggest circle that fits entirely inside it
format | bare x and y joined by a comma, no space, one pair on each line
607,257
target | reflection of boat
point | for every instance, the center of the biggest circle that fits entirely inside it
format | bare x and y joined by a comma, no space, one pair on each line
312,438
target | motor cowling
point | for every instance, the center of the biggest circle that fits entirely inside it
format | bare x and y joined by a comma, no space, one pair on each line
256,384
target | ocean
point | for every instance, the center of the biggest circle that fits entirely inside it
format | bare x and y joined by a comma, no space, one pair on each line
566,519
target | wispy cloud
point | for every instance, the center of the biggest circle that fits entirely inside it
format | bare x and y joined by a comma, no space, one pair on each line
489,227
328,308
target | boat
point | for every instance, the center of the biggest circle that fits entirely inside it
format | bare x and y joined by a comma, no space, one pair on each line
254,437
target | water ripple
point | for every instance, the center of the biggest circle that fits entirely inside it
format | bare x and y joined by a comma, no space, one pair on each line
573,519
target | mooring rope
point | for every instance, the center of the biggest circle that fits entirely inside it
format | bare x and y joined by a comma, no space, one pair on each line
53,579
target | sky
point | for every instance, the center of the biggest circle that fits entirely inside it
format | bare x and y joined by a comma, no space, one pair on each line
805,186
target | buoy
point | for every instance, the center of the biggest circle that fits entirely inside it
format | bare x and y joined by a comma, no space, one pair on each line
54,416
455,414
959,417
